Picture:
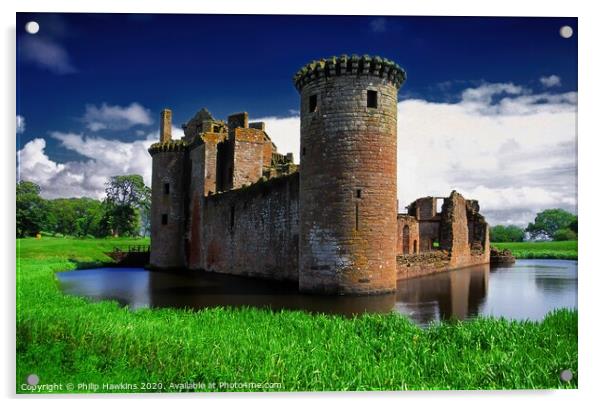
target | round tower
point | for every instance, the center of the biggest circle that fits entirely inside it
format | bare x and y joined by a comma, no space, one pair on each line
168,221
348,175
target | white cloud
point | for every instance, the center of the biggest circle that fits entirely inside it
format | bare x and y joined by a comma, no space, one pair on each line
107,117
284,132
20,124
102,158
46,54
513,150
378,25
550,81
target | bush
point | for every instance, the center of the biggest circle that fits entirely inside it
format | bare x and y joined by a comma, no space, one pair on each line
565,234
508,233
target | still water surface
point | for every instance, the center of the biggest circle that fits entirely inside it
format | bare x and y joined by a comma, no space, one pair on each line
526,290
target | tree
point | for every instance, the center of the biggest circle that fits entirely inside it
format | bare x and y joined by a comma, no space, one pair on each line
126,197
76,216
548,222
565,234
510,233
31,209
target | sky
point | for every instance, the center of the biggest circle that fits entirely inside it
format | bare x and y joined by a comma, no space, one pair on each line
489,107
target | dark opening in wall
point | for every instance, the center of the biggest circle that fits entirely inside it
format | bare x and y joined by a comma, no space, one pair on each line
231,217
372,98
166,188
164,219
313,103
415,247
303,153
357,216
358,193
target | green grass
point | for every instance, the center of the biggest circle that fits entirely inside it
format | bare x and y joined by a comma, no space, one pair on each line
541,250
65,339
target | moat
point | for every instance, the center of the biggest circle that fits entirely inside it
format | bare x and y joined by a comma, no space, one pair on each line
526,290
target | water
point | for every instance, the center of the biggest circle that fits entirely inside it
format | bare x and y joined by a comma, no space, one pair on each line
528,289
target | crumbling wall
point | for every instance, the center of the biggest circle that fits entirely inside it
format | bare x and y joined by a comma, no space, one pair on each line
408,240
417,265
253,231
454,229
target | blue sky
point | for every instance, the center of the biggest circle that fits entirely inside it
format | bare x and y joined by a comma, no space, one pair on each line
92,82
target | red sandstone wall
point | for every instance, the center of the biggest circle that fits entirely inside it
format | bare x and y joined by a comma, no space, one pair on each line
410,243
248,156
254,231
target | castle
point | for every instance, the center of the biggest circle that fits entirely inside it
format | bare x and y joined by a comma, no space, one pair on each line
225,200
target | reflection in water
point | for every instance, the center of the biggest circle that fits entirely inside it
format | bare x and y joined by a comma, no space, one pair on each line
443,296
526,290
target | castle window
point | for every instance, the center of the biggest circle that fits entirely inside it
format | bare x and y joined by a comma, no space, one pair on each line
372,99
164,219
166,188
358,193
232,218
357,216
313,103
303,151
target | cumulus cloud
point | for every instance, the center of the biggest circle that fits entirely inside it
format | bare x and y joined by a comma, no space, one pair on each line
513,150
108,117
46,54
20,124
102,158
550,81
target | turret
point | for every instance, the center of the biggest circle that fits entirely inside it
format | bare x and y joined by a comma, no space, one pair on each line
348,175
168,197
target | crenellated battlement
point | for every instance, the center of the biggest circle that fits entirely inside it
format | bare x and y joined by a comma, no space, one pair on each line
353,65
170,146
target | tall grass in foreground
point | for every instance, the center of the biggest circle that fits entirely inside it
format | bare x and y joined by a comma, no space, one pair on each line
66,339
566,250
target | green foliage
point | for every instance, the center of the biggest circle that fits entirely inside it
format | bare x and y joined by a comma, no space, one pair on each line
127,198
565,234
65,339
76,217
566,250
508,233
31,209
574,225
548,222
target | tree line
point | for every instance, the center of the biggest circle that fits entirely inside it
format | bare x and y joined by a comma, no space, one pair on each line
550,224
124,211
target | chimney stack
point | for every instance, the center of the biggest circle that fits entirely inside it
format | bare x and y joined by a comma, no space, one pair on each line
165,129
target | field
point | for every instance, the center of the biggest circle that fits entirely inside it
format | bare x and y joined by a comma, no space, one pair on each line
541,250
68,340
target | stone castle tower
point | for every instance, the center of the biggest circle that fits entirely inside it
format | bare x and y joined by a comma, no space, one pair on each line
348,175
168,199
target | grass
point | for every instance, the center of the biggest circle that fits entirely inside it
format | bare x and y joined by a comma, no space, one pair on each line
566,250
65,339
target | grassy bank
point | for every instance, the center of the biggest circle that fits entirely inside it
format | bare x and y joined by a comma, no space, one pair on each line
541,250
65,339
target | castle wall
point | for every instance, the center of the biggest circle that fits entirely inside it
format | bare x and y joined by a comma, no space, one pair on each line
200,158
253,231
168,213
408,240
248,156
